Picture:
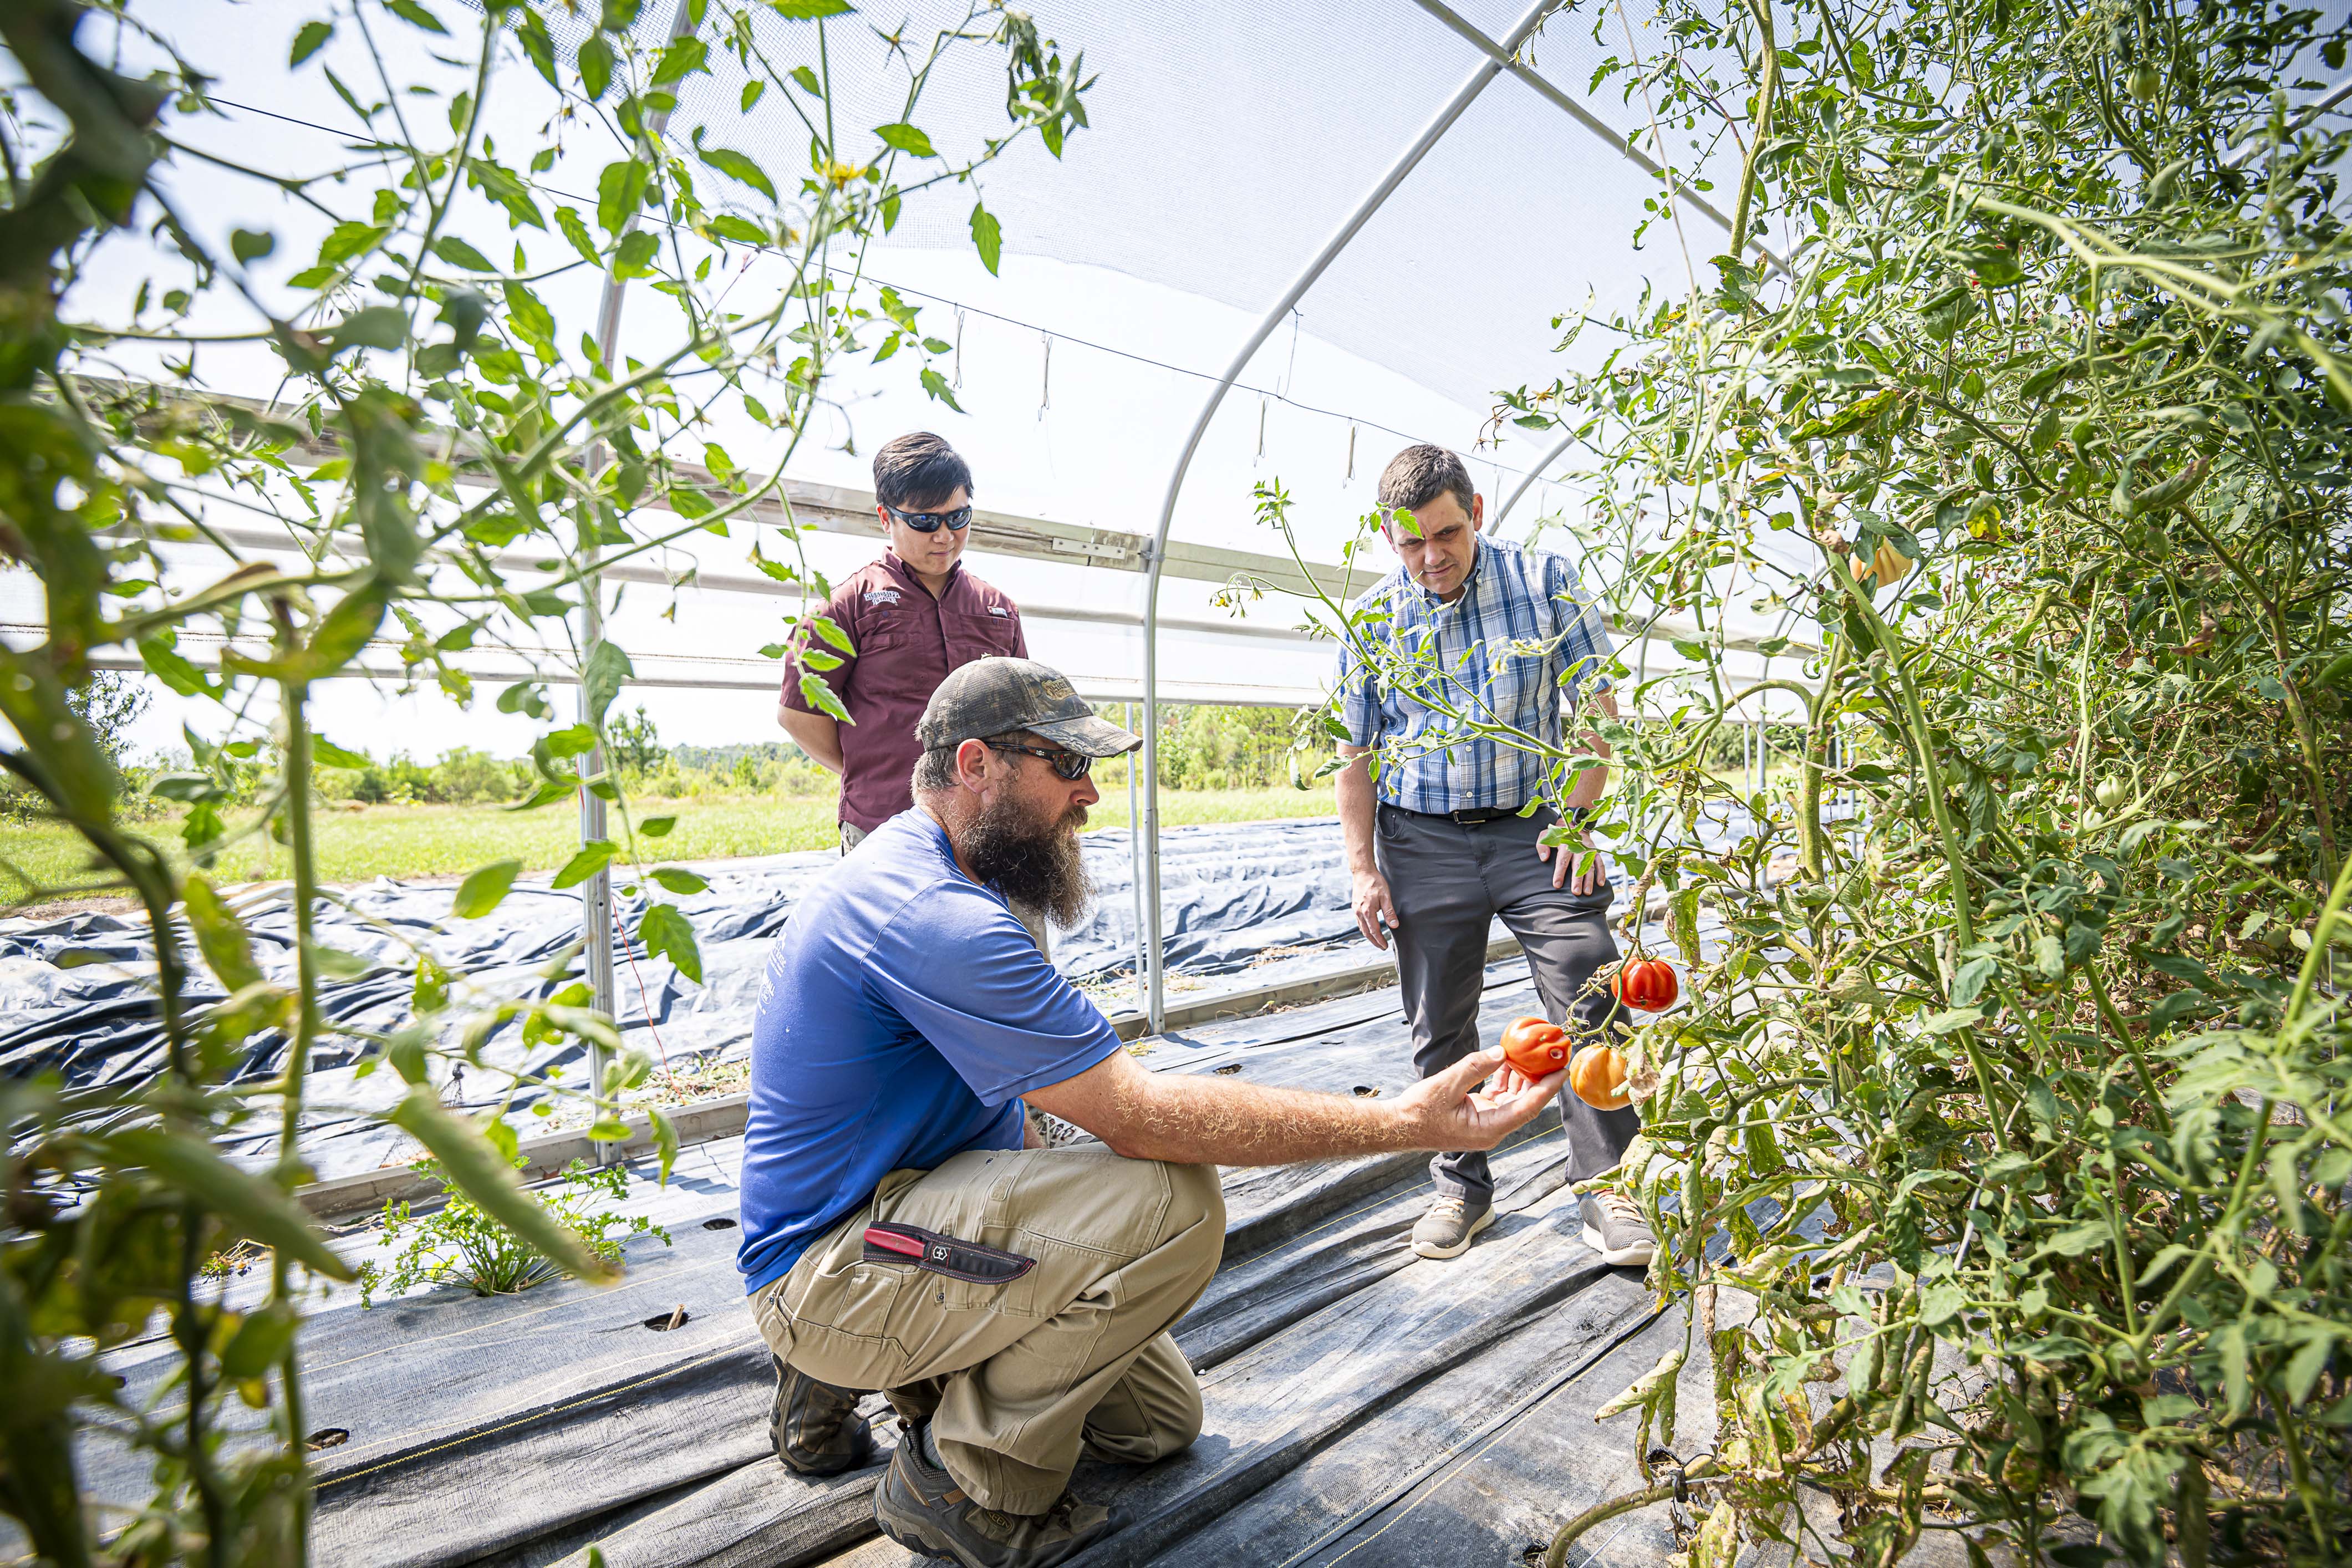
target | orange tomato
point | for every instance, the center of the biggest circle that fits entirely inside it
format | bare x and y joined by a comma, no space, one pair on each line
1647,985
1598,1076
1886,563
1536,1047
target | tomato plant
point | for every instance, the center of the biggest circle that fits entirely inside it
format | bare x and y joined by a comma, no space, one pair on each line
2001,1152
459,1242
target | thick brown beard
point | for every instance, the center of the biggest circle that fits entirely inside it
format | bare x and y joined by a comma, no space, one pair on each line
1030,859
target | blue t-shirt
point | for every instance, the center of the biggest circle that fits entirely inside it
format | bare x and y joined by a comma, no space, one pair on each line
903,1012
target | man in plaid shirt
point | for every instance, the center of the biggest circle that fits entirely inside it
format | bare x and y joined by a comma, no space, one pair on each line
1442,824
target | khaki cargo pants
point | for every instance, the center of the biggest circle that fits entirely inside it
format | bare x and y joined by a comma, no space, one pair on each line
1073,1357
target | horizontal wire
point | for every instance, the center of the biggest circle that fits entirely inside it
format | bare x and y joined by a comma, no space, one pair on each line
994,316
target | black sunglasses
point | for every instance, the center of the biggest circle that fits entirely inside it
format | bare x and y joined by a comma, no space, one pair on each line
929,522
1070,766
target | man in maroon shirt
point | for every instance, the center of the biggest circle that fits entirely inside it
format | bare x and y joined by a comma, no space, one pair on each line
912,616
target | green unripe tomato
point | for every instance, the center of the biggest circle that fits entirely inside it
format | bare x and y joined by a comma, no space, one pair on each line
2146,82
2111,794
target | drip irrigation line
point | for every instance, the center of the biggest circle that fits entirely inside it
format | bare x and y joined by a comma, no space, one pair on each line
964,308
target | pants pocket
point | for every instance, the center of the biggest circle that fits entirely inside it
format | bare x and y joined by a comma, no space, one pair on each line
969,1198
838,1323
841,1294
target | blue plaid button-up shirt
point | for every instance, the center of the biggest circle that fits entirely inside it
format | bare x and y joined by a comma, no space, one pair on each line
1522,637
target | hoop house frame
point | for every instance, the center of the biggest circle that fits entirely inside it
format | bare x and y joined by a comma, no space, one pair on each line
1501,56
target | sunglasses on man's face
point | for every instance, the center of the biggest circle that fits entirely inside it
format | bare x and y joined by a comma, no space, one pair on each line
1070,766
931,521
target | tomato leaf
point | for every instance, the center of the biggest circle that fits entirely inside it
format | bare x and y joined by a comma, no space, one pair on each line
988,235
484,889
909,139
666,932
593,857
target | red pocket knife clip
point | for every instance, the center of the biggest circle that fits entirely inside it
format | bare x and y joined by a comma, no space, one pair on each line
891,1241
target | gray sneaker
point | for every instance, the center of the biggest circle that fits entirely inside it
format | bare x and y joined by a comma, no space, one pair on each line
1446,1229
815,1426
919,1506
1613,1227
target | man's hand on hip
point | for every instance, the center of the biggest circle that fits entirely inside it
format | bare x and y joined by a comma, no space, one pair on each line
1592,876
1452,1114
1374,904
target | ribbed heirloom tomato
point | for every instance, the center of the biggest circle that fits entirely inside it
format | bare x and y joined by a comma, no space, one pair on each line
1647,985
1598,1076
1536,1047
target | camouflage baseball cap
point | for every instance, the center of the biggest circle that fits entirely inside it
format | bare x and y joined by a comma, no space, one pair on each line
998,696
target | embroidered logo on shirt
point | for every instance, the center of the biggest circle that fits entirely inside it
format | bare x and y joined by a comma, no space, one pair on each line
881,596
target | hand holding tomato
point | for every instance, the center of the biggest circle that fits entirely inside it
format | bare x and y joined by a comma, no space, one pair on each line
1450,1111
1536,1047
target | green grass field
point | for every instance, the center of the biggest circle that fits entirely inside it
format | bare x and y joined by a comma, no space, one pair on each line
422,841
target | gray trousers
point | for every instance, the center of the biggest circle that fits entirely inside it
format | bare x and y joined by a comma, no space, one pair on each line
1450,882
1032,919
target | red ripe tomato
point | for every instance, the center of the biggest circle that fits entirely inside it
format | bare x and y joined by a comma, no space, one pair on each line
1647,985
1536,1047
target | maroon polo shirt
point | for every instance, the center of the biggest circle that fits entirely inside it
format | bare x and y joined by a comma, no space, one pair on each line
906,641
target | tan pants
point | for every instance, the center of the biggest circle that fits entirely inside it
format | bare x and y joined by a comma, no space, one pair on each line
1073,1357
1032,919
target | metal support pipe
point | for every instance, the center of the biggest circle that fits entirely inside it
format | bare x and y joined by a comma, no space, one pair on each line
597,893
1476,83
1535,472
1506,58
2296,122
1135,867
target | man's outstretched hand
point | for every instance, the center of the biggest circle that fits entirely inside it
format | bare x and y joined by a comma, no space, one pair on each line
1452,1114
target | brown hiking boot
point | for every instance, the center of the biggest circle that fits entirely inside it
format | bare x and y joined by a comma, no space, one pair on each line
919,1506
816,1428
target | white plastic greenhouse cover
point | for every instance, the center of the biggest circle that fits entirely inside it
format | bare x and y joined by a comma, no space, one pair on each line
1226,149
1226,144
